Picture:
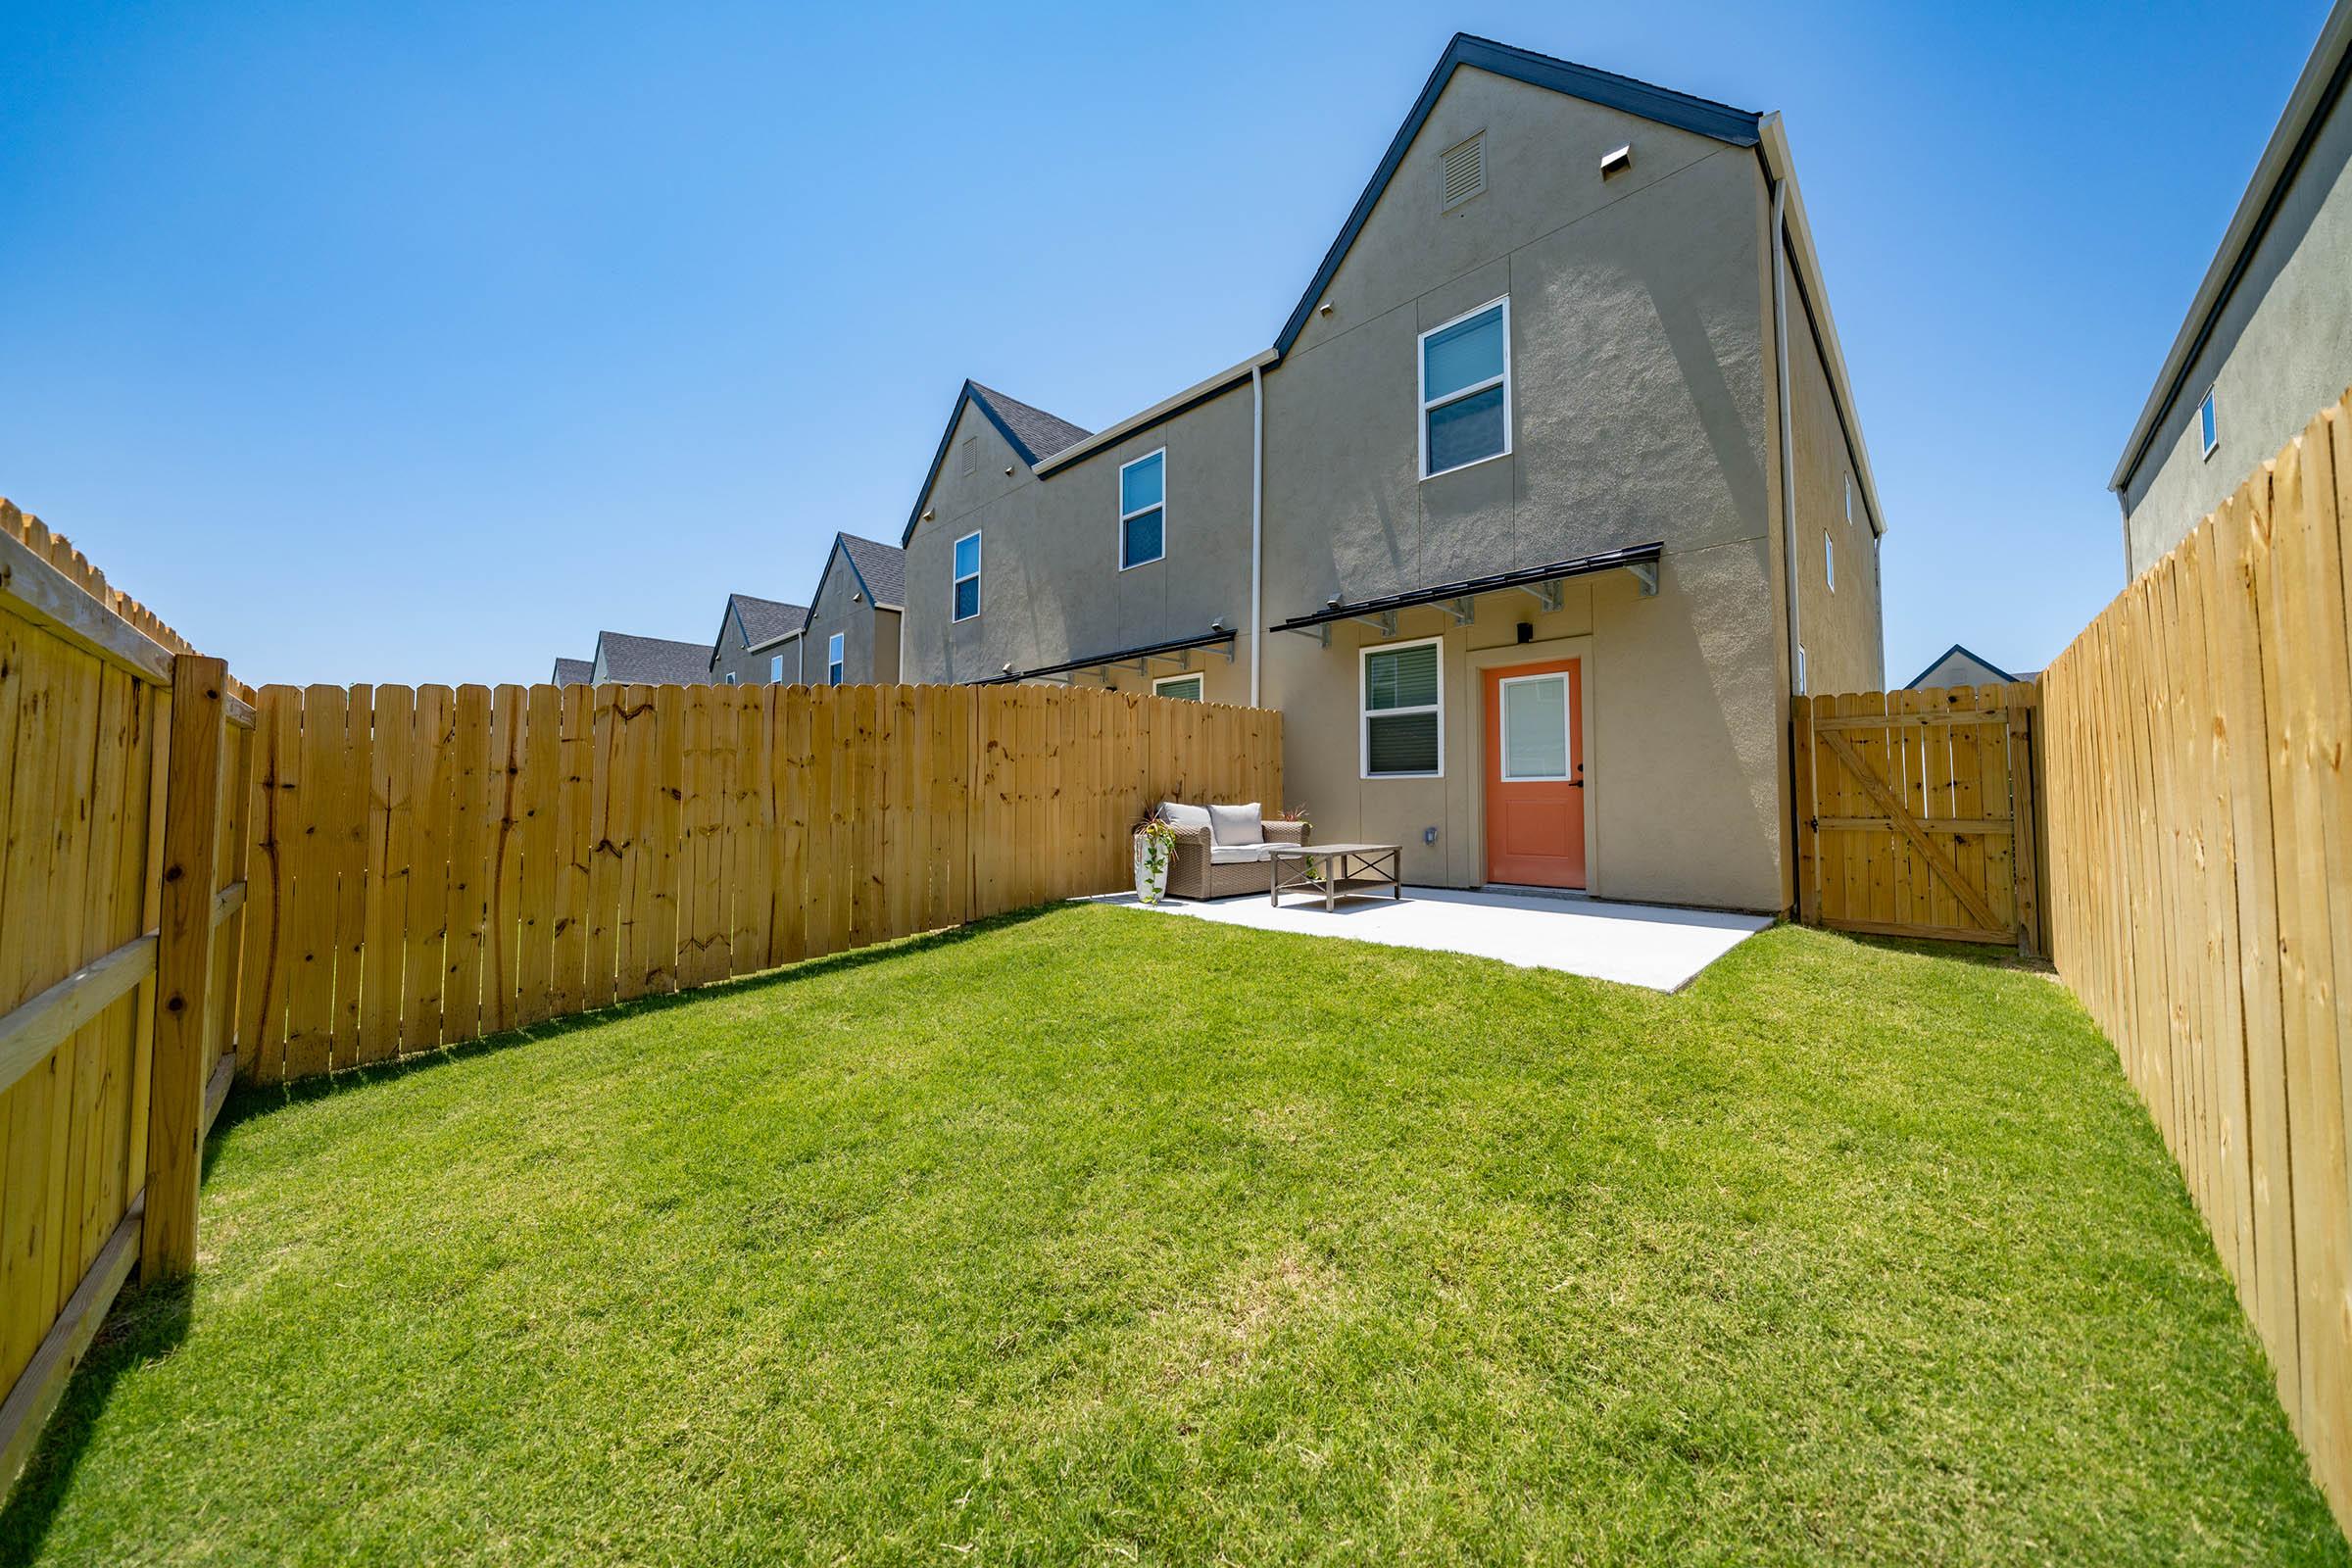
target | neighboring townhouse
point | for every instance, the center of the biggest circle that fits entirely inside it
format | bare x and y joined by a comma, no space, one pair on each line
574,671
1544,499
758,642
852,630
1957,666
2268,342
647,661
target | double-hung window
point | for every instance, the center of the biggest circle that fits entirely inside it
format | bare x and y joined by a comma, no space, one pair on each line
1403,725
1183,688
1829,560
775,668
2209,428
1466,390
965,600
1144,509
833,660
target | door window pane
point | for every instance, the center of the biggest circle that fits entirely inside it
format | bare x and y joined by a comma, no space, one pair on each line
1534,727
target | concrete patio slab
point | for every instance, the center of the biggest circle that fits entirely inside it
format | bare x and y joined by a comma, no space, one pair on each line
1635,943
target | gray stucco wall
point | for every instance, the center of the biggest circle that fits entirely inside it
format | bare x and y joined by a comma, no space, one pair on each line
1640,357
1844,642
750,668
2281,350
869,634
1050,586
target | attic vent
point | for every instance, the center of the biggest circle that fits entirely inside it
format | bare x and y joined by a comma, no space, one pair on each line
1465,170
971,454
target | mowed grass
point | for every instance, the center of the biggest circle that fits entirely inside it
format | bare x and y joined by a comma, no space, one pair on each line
1100,1237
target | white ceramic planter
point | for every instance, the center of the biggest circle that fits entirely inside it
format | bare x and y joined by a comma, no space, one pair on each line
1152,859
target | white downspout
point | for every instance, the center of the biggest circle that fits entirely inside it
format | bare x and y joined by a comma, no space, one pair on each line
1258,516
1780,347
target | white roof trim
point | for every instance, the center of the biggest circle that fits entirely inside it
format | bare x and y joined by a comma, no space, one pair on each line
1232,376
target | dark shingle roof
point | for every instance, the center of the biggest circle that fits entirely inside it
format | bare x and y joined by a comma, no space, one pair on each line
763,620
881,567
654,660
1038,433
574,671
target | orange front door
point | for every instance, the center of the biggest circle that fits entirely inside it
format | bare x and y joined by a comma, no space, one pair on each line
1535,774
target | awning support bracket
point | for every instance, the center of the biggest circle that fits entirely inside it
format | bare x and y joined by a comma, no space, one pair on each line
1645,572
1384,623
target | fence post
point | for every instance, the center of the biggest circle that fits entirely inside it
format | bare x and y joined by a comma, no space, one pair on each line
1808,836
185,966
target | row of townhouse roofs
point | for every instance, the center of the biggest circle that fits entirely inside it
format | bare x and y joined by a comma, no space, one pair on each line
848,633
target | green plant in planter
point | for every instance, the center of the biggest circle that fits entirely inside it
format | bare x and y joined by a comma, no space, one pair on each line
1158,847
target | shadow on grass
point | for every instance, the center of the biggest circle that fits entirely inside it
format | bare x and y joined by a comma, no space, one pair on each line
1981,954
248,1100
145,1325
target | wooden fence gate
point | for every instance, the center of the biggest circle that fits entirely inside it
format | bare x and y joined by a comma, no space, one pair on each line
1916,813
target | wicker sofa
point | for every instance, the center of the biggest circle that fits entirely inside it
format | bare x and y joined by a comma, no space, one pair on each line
1200,869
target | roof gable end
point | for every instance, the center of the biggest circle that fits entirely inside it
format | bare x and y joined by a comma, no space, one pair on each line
1700,116
1033,434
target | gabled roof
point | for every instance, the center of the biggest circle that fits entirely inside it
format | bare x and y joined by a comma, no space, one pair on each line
1967,653
879,568
1700,116
762,620
2322,82
1033,434
574,671
653,661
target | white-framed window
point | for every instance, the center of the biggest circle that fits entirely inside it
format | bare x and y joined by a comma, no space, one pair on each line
1850,500
730,677
1829,559
1403,725
2209,429
775,668
1800,669
1466,390
1536,726
1144,509
1184,688
964,601
833,660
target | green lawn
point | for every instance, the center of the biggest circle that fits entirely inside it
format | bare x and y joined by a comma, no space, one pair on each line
1096,1236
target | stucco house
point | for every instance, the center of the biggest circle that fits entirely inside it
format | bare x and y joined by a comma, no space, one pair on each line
853,625
757,641
2268,342
1540,503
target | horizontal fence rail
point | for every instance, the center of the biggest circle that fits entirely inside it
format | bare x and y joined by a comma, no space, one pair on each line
429,866
2200,852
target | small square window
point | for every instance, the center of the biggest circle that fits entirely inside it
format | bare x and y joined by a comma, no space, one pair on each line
833,660
1183,688
964,600
2209,429
1143,509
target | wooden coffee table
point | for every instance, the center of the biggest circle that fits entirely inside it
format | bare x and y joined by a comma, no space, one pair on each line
1347,870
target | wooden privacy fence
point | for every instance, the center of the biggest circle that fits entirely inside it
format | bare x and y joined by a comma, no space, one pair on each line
119,746
1916,813
2200,848
429,866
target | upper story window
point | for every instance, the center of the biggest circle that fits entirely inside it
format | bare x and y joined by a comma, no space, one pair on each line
1403,723
1829,560
730,677
1144,509
1850,500
1466,390
965,598
775,668
2209,431
833,660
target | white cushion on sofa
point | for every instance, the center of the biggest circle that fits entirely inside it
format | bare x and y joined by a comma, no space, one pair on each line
1236,854
1183,816
1236,824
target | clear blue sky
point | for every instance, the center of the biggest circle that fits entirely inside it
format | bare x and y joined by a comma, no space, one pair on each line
416,342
